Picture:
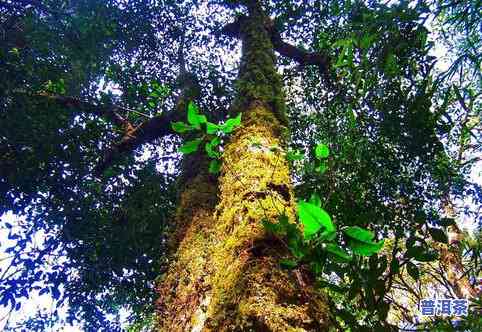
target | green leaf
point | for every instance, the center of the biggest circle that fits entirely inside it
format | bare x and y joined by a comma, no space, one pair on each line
360,234
271,227
283,220
361,241
428,256
391,66
364,248
421,254
231,124
154,94
420,217
181,127
296,244
367,40
394,266
315,199
338,252
190,146
193,116
15,51
294,155
215,166
210,148
438,235
212,128
414,251
413,271
313,219
325,284
322,151
383,309
288,263
151,104
322,168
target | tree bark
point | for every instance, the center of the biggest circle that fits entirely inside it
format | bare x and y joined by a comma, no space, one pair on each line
226,274
451,258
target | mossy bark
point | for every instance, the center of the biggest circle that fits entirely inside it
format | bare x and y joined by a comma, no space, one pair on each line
451,258
226,274
181,288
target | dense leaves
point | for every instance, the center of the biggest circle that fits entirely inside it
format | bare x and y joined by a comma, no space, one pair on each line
383,140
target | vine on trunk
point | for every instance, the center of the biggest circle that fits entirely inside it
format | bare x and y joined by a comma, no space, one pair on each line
315,241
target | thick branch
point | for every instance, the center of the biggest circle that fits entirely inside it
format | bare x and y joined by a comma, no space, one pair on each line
134,137
147,131
301,56
285,49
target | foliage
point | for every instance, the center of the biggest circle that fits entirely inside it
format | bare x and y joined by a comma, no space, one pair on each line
378,142
214,135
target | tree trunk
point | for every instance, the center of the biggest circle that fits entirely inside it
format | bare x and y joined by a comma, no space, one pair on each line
226,274
451,258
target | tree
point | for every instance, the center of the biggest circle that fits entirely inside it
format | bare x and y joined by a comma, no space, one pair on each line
289,184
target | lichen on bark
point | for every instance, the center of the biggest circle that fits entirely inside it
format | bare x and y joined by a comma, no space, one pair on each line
226,276
258,78
250,291
182,287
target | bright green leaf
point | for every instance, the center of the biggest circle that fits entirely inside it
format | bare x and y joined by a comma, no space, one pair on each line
361,241
364,248
360,234
322,151
314,218
338,252
215,166
181,127
190,146
212,153
211,128
193,116
294,155
231,124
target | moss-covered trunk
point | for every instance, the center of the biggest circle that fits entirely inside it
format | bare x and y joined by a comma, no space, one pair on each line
226,274
451,258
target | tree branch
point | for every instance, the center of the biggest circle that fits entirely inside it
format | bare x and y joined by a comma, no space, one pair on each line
160,125
301,56
285,49
147,131
134,137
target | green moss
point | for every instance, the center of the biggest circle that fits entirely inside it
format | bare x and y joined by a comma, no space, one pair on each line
179,292
249,291
258,79
226,276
